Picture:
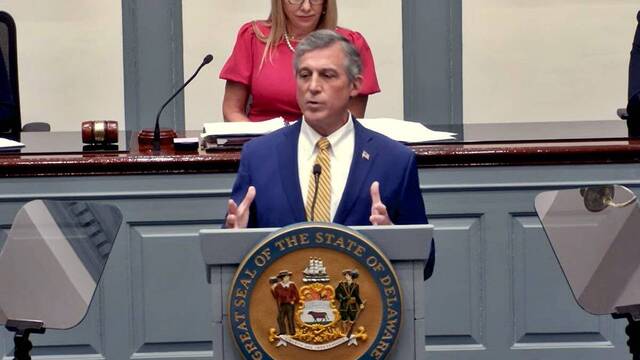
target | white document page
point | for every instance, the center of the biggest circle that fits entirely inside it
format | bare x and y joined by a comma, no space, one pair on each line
6,144
399,130
405,131
243,128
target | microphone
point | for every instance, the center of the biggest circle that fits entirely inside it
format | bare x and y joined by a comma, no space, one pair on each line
156,131
317,170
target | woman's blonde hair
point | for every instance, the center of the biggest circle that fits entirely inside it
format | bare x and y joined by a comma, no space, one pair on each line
277,21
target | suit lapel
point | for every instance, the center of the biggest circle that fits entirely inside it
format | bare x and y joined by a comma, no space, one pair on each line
287,152
364,154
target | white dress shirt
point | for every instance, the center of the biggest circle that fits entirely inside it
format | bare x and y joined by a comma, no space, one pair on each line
341,153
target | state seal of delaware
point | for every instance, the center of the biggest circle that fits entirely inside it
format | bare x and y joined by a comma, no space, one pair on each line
315,291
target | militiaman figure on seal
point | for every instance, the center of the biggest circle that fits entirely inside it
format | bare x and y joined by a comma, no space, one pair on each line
348,295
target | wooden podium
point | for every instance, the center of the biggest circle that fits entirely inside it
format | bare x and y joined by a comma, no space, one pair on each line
406,246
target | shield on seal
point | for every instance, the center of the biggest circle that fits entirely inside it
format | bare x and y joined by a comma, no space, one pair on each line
317,312
317,299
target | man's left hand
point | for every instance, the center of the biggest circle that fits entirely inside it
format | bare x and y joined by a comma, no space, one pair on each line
379,215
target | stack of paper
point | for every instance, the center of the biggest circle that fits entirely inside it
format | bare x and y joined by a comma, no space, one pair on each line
243,128
232,135
405,131
224,134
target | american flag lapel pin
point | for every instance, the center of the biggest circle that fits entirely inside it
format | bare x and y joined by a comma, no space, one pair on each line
365,155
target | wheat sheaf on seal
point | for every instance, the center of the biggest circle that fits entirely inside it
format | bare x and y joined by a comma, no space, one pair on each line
312,291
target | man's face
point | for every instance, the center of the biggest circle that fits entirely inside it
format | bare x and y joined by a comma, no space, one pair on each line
324,89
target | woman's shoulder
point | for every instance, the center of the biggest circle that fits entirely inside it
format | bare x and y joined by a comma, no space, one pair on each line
255,28
354,36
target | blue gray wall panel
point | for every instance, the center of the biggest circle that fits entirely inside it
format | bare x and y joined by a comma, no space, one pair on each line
497,292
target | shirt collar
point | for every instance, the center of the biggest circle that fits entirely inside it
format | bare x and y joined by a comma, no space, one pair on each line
309,137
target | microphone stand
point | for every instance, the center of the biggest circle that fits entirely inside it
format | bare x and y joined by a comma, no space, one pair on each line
317,169
22,329
144,135
632,314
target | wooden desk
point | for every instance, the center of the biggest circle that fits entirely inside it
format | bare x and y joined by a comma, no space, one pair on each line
42,156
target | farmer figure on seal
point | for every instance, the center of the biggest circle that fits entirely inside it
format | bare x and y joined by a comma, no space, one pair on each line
286,294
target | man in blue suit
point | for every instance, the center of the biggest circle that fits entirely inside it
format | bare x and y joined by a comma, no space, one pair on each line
373,179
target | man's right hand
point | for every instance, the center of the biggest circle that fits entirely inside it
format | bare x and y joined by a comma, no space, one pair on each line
379,214
238,215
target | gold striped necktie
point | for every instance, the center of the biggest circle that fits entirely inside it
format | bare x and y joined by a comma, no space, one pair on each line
322,210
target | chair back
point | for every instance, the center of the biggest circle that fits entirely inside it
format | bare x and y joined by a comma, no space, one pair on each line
10,121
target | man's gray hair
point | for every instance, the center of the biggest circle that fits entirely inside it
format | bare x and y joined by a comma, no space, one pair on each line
322,39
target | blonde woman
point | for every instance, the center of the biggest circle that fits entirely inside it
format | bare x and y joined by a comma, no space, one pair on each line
260,66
